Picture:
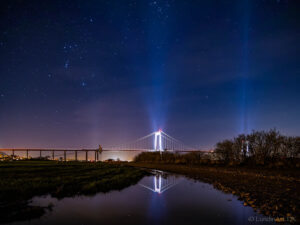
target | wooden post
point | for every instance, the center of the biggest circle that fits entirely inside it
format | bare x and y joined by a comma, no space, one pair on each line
65,155
95,156
86,155
75,155
27,153
52,154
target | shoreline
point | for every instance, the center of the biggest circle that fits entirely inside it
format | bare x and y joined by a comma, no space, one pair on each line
20,181
271,192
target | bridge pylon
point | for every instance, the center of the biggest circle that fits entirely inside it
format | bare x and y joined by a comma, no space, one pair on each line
155,141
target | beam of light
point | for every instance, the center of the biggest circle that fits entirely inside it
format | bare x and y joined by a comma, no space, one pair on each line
158,44
245,69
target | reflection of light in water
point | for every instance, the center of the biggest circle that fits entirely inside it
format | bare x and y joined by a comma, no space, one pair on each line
161,182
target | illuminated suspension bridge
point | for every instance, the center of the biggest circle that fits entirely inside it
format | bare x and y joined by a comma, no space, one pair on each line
155,141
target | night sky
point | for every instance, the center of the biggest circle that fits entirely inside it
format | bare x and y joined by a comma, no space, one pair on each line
81,73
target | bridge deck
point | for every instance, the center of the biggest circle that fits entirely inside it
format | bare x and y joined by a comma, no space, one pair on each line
111,150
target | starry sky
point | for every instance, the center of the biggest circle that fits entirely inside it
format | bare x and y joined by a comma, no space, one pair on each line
77,74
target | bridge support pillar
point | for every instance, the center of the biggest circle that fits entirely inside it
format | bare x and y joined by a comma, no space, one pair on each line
86,155
158,141
75,155
65,155
52,154
95,156
40,154
26,154
13,154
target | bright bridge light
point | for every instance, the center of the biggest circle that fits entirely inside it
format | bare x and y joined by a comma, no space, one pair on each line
157,138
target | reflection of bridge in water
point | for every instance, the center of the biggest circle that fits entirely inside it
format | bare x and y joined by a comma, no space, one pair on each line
161,182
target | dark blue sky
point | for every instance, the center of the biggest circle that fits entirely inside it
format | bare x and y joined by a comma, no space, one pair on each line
83,73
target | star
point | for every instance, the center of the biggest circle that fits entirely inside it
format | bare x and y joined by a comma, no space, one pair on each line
67,64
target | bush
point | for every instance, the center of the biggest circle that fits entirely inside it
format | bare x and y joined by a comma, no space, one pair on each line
191,158
260,146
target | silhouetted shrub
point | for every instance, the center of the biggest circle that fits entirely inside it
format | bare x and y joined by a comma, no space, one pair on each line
191,158
260,146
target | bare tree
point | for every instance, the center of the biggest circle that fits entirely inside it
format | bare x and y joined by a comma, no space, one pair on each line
225,150
239,148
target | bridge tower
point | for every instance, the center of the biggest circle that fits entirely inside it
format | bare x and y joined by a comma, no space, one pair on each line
157,141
